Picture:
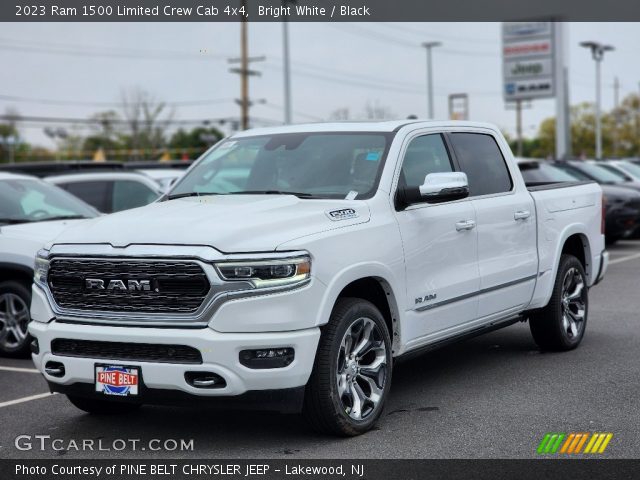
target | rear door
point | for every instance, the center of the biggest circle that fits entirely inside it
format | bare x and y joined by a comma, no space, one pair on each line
440,257
506,225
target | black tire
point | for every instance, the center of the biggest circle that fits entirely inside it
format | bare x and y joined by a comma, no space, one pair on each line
548,326
324,407
102,407
19,296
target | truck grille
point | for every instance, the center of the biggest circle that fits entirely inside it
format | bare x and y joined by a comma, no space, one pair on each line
141,352
120,285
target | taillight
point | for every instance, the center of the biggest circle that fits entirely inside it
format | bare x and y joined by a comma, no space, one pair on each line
602,214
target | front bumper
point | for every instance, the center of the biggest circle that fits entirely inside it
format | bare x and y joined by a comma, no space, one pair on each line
220,355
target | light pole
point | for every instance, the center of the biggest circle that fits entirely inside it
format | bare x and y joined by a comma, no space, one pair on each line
429,46
597,52
287,68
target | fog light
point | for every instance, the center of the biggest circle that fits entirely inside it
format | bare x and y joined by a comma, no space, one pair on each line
54,369
267,357
35,347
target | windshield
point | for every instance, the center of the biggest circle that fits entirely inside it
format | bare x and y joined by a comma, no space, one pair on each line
534,172
600,174
631,168
26,200
311,165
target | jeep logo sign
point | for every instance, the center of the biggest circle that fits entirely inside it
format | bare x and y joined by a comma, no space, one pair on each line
117,285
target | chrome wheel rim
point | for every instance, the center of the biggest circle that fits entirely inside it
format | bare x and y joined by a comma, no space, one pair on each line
361,371
14,321
574,306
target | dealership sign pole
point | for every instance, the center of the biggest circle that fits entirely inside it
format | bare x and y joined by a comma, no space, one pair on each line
533,59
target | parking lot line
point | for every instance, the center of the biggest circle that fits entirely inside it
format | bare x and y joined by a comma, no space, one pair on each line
624,259
18,369
25,399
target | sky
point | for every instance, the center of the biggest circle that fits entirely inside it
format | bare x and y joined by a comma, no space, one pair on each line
73,70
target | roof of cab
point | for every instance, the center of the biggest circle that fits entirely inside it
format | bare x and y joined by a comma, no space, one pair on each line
386,126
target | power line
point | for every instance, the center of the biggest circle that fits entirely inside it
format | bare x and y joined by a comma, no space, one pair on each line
438,36
113,52
46,101
387,39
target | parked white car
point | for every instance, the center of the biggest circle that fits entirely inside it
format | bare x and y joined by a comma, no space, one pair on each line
32,213
297,264
110,192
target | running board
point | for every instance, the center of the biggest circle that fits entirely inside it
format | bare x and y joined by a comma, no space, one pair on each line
490,327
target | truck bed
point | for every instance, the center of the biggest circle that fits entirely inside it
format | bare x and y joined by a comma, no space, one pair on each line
562,210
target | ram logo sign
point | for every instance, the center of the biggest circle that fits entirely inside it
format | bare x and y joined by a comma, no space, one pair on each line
117,285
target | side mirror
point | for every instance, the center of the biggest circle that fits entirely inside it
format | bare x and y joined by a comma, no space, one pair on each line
444,187
437,188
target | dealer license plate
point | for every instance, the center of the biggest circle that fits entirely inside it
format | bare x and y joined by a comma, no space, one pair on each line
117,380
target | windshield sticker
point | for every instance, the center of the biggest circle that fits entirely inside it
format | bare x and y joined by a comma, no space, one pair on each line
342,214
372,156
228,145
351,195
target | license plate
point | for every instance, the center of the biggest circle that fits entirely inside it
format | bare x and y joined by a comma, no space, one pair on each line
117,380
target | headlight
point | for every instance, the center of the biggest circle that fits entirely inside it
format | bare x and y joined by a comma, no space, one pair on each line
267,273
41,268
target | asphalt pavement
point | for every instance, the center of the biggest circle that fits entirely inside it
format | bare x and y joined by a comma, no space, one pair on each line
494,396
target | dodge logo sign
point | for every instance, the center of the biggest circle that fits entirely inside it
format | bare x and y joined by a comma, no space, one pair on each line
118,285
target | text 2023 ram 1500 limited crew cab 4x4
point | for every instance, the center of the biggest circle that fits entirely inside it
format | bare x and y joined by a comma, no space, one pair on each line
294,264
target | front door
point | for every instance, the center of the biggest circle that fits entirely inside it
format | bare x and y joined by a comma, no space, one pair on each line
440,249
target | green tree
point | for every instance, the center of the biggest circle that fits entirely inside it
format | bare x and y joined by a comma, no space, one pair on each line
198,138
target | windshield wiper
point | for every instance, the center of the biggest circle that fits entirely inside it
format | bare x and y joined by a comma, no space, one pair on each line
60,217
272,192
190,194
14,221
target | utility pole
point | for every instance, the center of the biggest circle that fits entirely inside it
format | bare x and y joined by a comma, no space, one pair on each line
244,71
597,52
616,115
429,46
638,124
287,69
519,127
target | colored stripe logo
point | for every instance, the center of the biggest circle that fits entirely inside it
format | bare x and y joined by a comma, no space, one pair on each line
574,443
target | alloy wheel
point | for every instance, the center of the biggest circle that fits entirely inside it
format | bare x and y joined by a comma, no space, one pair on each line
361,369
14,321
573,303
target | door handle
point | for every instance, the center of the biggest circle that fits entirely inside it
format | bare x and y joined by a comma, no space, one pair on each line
465,225
521,215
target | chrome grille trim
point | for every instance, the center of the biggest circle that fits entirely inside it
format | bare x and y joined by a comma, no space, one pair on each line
179,286
219,293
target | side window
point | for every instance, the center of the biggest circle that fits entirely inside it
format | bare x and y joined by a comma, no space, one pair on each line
95,193
130,194
480,158
424,155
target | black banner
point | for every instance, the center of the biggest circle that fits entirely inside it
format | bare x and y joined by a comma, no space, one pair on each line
315,10
320,469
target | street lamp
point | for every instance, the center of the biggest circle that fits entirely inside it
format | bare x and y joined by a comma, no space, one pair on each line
429,46
597,52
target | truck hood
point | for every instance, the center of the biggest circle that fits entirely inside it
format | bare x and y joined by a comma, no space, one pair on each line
229,223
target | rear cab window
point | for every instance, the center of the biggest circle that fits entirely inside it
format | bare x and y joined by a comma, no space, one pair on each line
481,159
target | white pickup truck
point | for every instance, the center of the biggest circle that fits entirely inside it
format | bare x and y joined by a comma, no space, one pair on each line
294,265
